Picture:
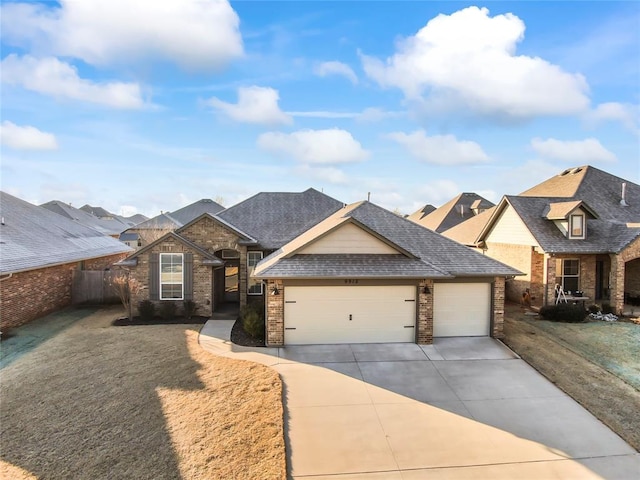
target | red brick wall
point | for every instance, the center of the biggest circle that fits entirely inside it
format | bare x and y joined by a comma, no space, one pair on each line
26,296
497,320
275,314
425,313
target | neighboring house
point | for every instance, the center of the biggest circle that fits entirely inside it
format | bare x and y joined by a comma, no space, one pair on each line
131,240
210,259
579,229
40,251
108,226
455,211
421,213
366,275
100,212
152,229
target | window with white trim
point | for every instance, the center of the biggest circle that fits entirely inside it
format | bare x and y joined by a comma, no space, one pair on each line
171,276
576,226
254,286
569,276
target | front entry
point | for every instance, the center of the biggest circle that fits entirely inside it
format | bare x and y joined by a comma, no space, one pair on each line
231,281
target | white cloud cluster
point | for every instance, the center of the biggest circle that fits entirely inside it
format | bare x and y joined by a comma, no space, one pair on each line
628,115
440,149
51,76
195,34
325,69
468,60
255,105
589,150
26,137
314,147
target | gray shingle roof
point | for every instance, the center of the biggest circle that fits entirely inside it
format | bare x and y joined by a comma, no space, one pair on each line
421,213
179,218
436,256
33,237
107,226
452,213
275,218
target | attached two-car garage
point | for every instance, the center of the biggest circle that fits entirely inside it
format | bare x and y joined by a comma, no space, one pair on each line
381,313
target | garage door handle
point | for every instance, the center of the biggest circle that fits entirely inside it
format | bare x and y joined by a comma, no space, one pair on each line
410,300
289,328
409,326
350,317
289,301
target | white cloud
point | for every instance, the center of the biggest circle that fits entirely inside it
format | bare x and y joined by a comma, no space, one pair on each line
585,151
26,137
440,149
314,146
336,68
255,105
195,34
50,76
467,60
325,174
628,115
437,193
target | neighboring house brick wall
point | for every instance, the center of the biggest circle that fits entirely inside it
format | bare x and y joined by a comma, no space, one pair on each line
275,314
525,259
632,277
425,313
497,320
26,296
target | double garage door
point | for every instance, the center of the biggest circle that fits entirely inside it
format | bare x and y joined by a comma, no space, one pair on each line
376,314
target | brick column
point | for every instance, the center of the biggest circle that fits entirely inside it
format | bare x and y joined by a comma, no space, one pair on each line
275,314
550,280
242,276
425,313
497,328
617,283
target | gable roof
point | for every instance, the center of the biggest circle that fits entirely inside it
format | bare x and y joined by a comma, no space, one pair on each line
275,218
562,210
34,237
179,218
467,232
107,226
452,213
422,252
246,239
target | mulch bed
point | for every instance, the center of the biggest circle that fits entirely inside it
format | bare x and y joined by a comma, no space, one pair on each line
136,321
240,337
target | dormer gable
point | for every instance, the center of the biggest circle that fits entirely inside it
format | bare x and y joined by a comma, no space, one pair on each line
570,218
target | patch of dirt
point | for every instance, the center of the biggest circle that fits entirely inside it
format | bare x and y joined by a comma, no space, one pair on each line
137,321
240,337
95,401
607,397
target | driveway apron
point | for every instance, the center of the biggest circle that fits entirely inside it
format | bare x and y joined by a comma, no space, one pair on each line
461,408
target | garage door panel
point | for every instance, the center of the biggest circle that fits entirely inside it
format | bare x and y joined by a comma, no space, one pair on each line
461,309
349,314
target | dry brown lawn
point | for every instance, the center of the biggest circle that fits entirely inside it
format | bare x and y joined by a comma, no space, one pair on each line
97,401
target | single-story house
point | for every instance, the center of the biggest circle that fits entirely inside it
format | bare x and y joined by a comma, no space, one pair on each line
367,275
457,210
40,251
579,230
111,226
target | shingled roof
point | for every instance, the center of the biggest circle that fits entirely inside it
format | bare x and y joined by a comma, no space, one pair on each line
426,254
275,218
33,237
179,218
455,211
107,226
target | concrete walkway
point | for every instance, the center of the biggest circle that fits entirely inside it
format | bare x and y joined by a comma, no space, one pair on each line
461,408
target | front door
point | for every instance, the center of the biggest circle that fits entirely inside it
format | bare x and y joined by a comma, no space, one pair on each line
231,281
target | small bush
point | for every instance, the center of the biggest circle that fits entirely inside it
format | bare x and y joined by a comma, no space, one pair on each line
147,309
593,308
168,310
190,308
607,308
252,316
563,312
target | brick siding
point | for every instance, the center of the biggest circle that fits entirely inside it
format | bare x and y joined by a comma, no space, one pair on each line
497,318
529,262
275,314
26,296
425,313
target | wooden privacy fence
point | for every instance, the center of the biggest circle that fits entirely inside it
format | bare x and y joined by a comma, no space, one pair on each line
94,286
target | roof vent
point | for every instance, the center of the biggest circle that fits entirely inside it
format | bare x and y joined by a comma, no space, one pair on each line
565,172
576,170
623,201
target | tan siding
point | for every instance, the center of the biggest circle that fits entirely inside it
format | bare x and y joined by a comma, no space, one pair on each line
348,239
509,228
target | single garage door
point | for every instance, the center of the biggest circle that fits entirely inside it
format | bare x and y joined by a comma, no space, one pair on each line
349,314
461,309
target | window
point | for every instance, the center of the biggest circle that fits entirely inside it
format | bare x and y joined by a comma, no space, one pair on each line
570,275
254,286
171,276
576,226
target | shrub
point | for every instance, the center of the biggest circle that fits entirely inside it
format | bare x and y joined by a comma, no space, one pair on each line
190,308
168,310
607,308
563,312
147,310
593,308
252,316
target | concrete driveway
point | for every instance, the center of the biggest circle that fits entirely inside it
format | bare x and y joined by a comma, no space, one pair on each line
461,408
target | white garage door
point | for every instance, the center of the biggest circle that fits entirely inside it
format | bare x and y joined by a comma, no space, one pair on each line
349,314
461,309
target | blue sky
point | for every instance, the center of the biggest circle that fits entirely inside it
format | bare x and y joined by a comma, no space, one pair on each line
142,108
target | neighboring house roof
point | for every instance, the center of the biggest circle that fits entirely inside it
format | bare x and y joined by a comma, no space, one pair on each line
107,226
599,193
455,211
421,213
467,232
422,253
275,218
129,237
33,237
96,211
245,239
105,214
136,219
174,220
208,257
